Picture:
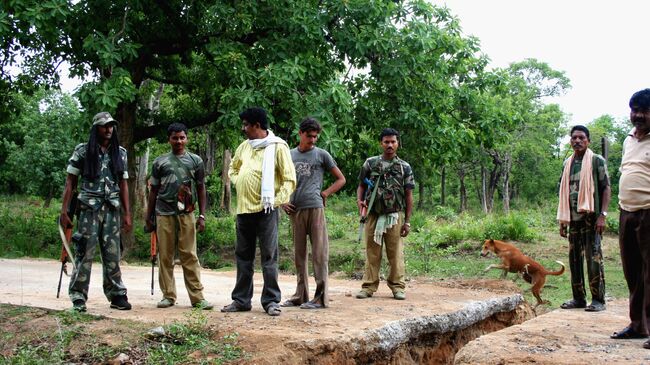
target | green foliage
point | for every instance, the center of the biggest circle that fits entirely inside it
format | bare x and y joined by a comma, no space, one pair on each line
29,229
182,339
510,227
38,143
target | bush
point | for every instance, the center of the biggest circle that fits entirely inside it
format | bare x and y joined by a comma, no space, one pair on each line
444,212
28,229
510,227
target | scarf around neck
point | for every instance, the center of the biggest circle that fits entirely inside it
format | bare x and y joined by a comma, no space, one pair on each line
268,143
585,190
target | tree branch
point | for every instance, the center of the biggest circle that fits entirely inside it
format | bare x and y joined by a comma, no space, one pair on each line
144,132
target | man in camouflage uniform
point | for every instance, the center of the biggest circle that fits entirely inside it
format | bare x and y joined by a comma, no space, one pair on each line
103,192
585,217
393,180
175,223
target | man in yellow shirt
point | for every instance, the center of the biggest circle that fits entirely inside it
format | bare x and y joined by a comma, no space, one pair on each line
264,178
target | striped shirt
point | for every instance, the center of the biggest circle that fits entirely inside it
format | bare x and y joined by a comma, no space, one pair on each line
246,174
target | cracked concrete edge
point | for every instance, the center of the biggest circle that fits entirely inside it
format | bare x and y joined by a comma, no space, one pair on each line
396,333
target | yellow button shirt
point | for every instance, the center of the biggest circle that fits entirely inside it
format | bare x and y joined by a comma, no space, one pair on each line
246,174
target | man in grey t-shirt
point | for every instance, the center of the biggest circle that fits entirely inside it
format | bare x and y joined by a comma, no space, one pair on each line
307,212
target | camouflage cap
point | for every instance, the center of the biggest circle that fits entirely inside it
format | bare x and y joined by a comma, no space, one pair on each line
103,118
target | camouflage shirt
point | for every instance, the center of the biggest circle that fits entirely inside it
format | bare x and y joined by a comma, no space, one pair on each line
163,175
105,188
600,167
396,177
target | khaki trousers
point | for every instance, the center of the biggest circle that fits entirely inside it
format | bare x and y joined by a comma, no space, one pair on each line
310,222
178,231
394,253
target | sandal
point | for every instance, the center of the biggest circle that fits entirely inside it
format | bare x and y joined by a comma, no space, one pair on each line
235,307
311,305
595,307
273,310
572,304
289,303
627,334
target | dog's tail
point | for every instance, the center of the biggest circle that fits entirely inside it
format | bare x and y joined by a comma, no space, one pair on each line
559,272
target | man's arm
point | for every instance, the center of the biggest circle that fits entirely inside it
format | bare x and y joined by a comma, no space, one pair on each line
70,186
200,190
127,223
361,201
287,170
406,227
336,185
601,221
151,206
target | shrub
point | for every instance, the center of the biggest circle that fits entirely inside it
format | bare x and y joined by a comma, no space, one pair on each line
444,212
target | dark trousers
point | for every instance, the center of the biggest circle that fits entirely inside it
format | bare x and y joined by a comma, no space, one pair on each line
252,228
584,243
634,241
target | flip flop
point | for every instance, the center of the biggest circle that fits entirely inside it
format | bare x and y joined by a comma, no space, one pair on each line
627,334
311,305
595,307
572,304
273,310
289,303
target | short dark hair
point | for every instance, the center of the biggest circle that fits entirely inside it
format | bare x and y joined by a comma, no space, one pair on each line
255,115
175,128
580,128
640,99
310,124
388,132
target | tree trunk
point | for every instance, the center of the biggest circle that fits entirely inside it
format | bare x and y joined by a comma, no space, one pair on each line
140,200
483,189
126,116
493,182
140,196
462,191
421,198
225,183
443,181
506,182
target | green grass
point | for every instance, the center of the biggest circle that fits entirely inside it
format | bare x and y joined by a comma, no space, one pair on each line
38,336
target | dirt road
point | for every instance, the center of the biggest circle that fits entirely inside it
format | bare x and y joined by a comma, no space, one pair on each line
379,330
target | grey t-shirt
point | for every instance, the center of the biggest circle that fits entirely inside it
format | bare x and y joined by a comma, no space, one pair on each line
310,167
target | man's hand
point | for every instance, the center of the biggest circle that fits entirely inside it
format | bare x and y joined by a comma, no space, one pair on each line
406,228
601,223
324,197
290,208
200,224
363,206
148,223
563,230
65,221
127,224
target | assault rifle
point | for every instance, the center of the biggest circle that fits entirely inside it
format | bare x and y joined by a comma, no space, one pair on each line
364,211
154,242
66,235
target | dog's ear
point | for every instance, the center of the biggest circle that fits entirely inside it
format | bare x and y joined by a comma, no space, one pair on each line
491,241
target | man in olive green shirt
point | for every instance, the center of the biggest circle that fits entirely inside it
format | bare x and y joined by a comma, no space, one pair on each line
176,226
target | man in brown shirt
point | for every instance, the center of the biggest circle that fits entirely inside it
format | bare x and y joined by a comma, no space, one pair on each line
634,221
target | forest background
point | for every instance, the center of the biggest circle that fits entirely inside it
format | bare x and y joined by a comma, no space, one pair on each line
486,148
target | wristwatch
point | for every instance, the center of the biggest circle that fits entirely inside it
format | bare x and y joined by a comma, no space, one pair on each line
201,216
604,214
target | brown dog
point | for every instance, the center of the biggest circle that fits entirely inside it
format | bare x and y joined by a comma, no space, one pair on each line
513,260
